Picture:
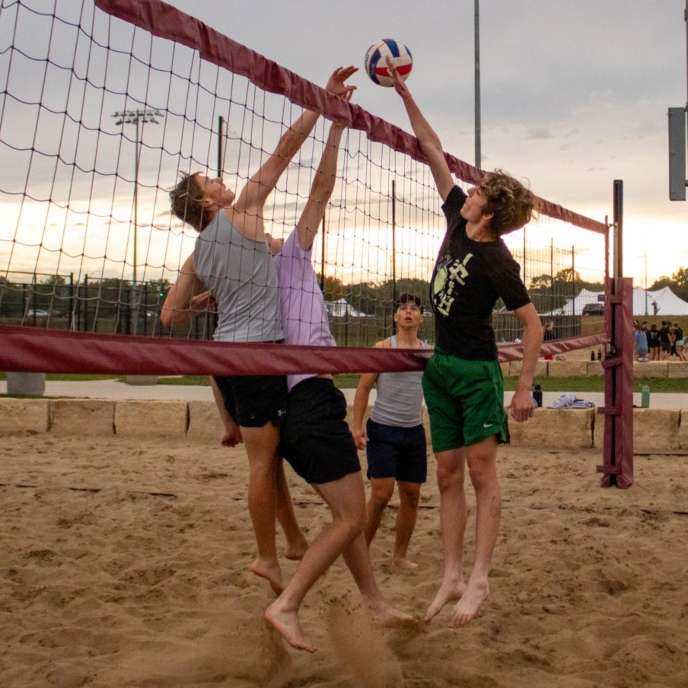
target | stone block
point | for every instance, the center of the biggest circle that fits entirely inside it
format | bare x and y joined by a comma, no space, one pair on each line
85,417
682,435
23,415
556,428
205,424
25,384
595,368
650,369
151,418
568,368
516,366
655,429
677,368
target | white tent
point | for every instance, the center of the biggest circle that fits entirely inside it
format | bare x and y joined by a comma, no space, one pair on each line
658,302
341,308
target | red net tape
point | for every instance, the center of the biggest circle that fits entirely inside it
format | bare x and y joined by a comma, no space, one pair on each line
26,349
165,21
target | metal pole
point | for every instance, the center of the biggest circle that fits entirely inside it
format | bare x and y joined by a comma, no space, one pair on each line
618,232
394,245
573,279
322,257
551,272
136,199
646,283
524,258
478,152
220,136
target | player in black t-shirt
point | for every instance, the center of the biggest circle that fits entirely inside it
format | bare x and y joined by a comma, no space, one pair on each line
463,382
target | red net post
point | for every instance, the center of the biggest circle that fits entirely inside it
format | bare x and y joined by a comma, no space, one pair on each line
617,413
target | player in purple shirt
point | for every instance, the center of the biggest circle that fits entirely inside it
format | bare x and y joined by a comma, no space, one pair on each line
315,436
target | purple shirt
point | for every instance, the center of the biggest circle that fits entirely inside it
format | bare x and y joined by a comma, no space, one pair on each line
302,305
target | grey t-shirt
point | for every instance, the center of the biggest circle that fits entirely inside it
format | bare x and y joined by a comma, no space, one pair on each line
399,396
240,273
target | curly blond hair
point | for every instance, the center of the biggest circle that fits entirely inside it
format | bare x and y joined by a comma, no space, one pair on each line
510,203
186,199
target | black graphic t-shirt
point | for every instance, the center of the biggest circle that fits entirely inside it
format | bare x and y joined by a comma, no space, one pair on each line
468,278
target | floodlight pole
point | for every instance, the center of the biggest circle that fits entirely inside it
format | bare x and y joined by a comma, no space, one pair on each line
478,152
138,118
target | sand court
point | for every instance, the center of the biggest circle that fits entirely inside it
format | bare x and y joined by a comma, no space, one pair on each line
124,564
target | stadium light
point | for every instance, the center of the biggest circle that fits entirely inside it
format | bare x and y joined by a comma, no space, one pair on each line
139,118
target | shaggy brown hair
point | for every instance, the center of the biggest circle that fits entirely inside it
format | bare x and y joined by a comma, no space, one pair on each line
510,203
186,199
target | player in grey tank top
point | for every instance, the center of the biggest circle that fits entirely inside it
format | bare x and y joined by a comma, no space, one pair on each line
232,266
394,437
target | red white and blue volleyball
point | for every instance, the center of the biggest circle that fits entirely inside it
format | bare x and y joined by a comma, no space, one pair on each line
376,61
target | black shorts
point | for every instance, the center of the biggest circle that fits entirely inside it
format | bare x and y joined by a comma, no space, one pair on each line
315,438
398,453
254,400
666,346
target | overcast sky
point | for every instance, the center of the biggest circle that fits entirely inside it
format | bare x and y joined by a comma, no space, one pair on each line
574,94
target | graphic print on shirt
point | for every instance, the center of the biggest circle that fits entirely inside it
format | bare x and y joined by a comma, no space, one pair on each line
448,278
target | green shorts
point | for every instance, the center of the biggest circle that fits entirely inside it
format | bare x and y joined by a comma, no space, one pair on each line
465,401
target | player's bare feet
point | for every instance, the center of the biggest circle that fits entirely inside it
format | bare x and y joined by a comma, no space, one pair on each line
388,616
286,623
270,571
451,590
469,605
403,564
295,551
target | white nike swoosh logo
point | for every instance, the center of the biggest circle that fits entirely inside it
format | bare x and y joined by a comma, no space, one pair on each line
488,425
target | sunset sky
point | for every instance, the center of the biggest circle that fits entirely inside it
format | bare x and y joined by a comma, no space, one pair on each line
574,95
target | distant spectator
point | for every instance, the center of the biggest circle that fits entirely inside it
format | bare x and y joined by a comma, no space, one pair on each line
653,342
641,343
655,308
664,342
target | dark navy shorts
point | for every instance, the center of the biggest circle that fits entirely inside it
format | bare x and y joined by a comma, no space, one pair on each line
398,453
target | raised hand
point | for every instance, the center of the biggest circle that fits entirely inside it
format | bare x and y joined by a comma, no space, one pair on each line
399,86
335,84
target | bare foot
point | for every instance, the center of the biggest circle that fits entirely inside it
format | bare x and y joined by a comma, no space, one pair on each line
295,551
287,625
389,616
403,564
471,601
270,571
450,591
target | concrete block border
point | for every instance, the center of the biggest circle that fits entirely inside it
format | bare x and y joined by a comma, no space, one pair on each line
655,430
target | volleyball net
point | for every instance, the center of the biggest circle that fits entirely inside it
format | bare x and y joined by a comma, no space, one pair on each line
104,103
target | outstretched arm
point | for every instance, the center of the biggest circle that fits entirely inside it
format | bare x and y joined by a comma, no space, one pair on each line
429,142
180,303
261,184
321,190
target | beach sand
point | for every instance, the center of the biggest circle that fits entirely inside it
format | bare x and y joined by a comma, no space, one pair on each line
123,563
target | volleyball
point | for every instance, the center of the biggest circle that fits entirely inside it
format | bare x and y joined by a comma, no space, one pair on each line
376,61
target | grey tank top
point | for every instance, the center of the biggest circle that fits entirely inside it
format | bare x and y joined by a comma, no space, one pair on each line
399,396
240,273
